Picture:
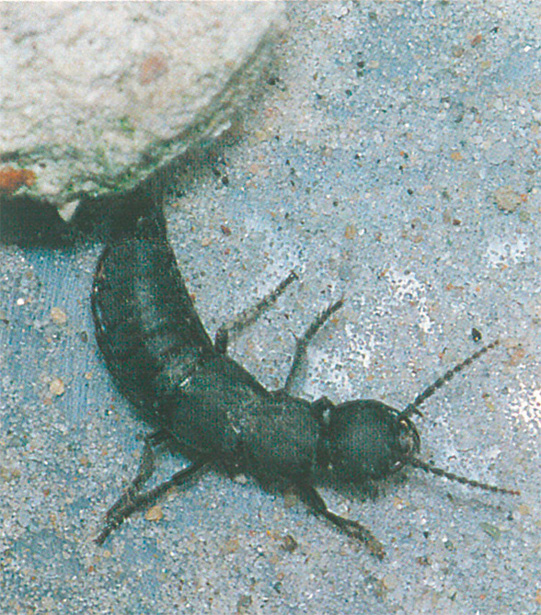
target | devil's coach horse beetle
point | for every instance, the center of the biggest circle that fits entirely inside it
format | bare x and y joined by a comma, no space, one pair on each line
206,406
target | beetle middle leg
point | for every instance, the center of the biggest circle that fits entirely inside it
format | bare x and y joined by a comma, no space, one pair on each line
249,315
304,341
317,504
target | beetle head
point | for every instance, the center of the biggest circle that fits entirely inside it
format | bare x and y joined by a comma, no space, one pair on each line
364,439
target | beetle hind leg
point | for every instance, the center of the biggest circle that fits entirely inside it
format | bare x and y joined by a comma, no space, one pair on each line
132,499
144,473
249,315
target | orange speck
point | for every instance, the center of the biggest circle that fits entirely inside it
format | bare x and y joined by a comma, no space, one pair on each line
12,179
456,156
350,232
152,67
517,355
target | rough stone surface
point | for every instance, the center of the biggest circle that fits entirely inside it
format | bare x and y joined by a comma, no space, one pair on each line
364,169
95,96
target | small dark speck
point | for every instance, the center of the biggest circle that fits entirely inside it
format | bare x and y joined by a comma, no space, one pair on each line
349,93
410,191
225,180
476,335
225,230
423,560
289,544
244,604
457,222
448,545
84,337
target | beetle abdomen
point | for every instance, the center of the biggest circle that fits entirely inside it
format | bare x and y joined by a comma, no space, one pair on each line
145,319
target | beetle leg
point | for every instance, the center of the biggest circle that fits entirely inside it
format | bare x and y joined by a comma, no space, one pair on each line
124,507
145,471
302,342
316,503
249,315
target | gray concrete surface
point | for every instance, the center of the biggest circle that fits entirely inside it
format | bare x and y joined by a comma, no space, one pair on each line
372,165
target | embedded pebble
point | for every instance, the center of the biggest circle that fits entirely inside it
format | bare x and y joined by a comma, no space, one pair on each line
498,152
507,199
58,316
56,387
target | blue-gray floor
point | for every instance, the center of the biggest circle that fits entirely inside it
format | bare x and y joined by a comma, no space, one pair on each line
393,158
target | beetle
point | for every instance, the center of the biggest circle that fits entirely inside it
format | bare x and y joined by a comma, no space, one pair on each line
206,406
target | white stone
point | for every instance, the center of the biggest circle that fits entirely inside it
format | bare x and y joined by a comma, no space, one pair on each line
96,96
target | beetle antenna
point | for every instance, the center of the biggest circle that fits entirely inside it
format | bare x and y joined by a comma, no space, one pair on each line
429,391
422,465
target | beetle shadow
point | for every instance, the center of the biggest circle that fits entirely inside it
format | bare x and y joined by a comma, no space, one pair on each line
30,222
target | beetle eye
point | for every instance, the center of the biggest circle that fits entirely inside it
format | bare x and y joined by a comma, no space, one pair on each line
408,437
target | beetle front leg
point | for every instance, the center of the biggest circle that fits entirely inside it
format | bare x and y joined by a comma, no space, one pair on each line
316,503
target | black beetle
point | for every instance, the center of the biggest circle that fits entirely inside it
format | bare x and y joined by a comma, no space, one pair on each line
206,406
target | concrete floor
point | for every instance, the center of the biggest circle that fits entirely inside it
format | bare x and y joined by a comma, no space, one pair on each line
394,158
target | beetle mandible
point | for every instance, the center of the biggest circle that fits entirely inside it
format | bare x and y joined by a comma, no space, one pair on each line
205,405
